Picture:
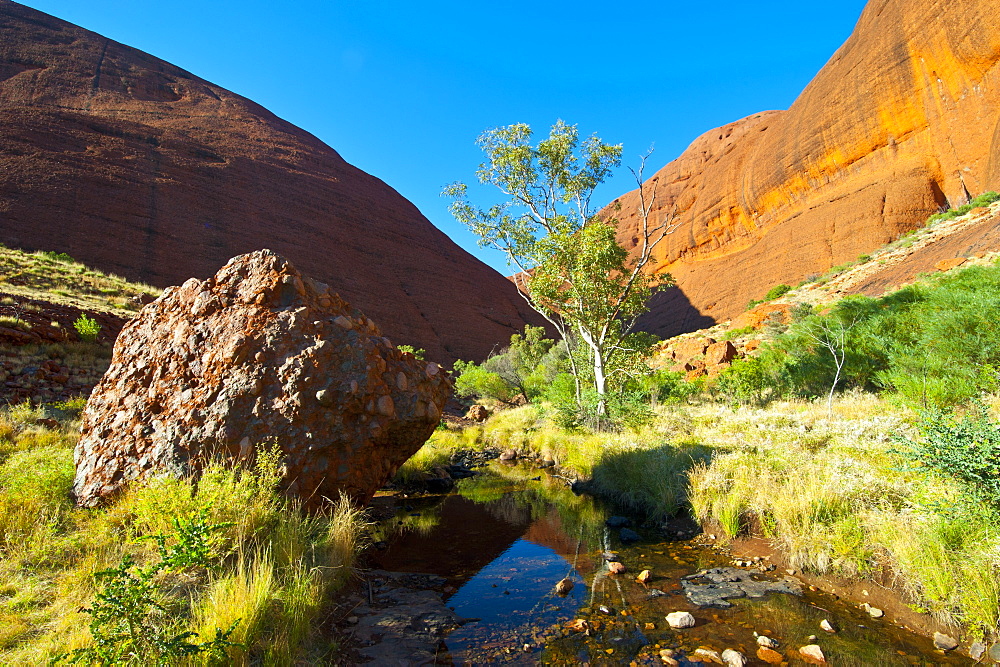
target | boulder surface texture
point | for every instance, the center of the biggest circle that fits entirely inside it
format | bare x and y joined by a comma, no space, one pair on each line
903,120
139,168
257,354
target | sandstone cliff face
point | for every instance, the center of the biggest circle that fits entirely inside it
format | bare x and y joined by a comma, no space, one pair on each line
137,167
903,119
257,354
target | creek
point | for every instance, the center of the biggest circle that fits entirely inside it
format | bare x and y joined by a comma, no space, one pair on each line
504,538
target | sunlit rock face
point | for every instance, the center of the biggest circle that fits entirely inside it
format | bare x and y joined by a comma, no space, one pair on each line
258,356
903,119
137,167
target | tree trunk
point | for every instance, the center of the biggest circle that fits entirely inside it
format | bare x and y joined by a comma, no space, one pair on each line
600,379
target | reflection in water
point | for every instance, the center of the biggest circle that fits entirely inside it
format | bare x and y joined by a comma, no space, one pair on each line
504,542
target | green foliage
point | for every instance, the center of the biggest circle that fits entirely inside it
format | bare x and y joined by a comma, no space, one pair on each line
935,344
777,291
747,380
59,257
123,617
966,448
523,368
984,199
474,381
415,351
864,258
87,327
572,269
733,334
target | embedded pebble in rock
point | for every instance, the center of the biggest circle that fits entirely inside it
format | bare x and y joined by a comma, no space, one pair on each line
257,355
614,567
733,658
680,619
944,642
813,654
770,656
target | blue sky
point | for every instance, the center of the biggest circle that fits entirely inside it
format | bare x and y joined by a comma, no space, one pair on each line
402,89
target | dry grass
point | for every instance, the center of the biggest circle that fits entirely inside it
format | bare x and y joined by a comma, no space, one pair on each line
829,493
59,280
278,567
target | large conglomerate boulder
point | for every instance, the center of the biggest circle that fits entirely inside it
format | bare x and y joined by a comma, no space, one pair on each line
254,355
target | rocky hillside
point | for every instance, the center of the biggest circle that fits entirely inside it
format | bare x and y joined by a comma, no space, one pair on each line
135,166
902,121
939,246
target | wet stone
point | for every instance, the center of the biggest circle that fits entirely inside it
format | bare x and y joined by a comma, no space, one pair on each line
713,587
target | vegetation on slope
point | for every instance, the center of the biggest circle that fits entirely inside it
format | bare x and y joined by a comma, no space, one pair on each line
271,568
58,278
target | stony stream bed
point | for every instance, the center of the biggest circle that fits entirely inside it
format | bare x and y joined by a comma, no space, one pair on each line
494,550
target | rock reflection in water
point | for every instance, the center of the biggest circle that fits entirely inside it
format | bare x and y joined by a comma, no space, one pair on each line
505,544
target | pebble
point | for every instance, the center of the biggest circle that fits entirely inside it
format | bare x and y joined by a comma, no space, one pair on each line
707,655
667,656
827,626
874,612
767,642
944,642
564,586
680,619
994,652
614,567
770,656
977,650
733,658
813,654
644,576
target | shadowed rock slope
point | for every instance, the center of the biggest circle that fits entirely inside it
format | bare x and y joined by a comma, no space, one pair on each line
901,121
137,167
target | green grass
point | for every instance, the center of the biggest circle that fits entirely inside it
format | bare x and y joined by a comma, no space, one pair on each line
279,566
830,493
60,279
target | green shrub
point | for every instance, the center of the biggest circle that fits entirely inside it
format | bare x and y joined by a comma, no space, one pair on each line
966,448
747,381
416,352
123,622
777,291
87,327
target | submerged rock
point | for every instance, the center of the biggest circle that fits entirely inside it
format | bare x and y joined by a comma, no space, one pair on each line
628,535
713,587
733,658
257,355
680,619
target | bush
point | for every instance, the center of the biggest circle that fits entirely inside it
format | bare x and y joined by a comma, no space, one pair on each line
417,352
966,448
87,327
777,291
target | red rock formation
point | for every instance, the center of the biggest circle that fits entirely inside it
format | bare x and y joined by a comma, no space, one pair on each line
903,119
257,354
137,167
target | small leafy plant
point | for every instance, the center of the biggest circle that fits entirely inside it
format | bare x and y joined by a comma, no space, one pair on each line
966,448
87,327
123,623
417,352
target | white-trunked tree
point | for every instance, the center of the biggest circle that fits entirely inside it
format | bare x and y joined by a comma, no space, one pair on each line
571,268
